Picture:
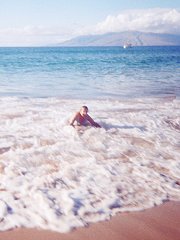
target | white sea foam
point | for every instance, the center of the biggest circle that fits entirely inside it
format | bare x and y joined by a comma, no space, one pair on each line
54,177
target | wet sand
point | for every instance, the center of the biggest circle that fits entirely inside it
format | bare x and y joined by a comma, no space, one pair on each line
161,223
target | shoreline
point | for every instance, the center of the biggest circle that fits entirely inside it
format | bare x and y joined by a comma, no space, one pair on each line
92,98
161,223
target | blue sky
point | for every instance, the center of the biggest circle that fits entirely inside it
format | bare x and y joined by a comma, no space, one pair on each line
39,22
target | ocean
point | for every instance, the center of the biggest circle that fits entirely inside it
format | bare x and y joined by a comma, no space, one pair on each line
89,72
55,177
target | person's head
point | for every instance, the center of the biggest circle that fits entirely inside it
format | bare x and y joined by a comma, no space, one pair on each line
84,110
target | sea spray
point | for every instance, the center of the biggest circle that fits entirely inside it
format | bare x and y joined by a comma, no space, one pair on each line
54,177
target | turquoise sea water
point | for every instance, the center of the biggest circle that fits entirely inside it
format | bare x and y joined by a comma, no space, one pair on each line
90,72
64,178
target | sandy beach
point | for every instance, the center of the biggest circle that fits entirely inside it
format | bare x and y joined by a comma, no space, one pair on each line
161,223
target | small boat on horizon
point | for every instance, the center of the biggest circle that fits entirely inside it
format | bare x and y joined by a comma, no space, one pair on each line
127,45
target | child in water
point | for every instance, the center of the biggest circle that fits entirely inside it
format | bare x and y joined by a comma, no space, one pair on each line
82,118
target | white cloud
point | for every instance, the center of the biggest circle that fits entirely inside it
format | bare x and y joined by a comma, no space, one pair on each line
33,35
147,20
33,31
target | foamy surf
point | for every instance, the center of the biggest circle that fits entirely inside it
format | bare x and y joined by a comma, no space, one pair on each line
54,177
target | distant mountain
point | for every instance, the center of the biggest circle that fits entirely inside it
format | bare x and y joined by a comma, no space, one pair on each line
121,38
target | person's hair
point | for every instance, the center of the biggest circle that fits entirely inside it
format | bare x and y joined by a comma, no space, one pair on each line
85,107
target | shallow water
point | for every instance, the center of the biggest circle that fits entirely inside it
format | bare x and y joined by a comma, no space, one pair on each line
90,72
62,178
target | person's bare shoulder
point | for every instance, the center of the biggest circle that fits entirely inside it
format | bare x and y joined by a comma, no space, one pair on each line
75,116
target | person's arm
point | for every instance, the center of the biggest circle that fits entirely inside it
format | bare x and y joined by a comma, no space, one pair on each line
92,122
73,119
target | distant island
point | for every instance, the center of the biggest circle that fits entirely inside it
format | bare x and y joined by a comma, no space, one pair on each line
122,38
